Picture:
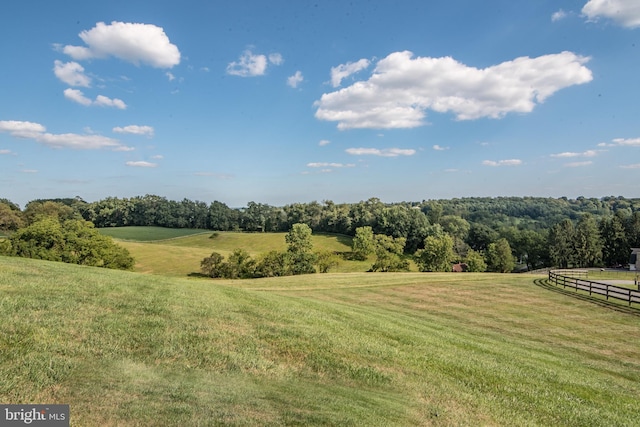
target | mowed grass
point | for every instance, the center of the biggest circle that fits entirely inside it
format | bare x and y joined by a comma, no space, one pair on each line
368,349
181,256
148,234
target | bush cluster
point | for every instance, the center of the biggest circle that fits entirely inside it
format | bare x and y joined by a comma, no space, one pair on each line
74,241
298,259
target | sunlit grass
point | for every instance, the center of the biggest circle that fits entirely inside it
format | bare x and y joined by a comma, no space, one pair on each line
181,256
147,234
336,349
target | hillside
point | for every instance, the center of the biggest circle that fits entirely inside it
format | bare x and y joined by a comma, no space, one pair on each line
180,255
336,349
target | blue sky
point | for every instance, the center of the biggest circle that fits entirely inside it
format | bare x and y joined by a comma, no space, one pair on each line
293,101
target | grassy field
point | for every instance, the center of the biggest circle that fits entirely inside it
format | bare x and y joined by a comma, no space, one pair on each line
149,234
181,256
129,349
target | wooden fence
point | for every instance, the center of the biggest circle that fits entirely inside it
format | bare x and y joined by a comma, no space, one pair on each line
577,282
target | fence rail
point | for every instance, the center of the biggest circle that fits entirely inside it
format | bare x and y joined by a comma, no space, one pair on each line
577,282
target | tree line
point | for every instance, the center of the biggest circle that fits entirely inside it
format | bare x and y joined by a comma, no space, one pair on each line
539,231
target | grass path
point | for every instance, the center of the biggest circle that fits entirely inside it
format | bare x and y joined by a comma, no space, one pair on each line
129,349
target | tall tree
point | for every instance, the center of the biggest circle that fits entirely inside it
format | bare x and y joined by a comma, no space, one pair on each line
633,230
10,219
433,210
299,250
615,246
534,247
389,252
480,236
587,243
362,244
475,262
437,254
499,257
561,238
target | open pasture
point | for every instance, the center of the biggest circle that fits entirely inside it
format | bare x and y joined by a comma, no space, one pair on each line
149,234
181,256
335,349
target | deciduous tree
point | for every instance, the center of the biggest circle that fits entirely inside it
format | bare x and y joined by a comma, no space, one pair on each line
300,256
475,262
499,257
362,244
389,252
437,254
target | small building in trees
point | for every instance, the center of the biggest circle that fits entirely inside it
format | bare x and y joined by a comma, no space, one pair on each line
634,260
460,267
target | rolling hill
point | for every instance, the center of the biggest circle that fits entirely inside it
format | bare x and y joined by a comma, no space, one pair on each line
386,349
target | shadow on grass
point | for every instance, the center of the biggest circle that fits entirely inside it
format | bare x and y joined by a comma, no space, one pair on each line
198,275
544,283
341,238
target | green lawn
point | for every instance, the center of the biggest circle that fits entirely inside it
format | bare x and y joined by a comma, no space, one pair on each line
130,349
612,275
149,234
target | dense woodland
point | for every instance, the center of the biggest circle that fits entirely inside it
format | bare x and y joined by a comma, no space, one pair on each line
539,232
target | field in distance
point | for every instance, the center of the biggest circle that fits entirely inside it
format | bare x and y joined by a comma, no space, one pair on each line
149,234
158,251
375,349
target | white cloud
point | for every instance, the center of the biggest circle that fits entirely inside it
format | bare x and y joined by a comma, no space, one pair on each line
29,171
135,130
330,165
578,164
295,80
71,73
142,164
170,76
324,142
103,101
250,65
4,151
566,154
634,166
631,142
439,148
621,142
401,89
508,162
623,12
21,129
343,71
386,152
276,59
558,16
157,157
37,132
132,42
76,95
